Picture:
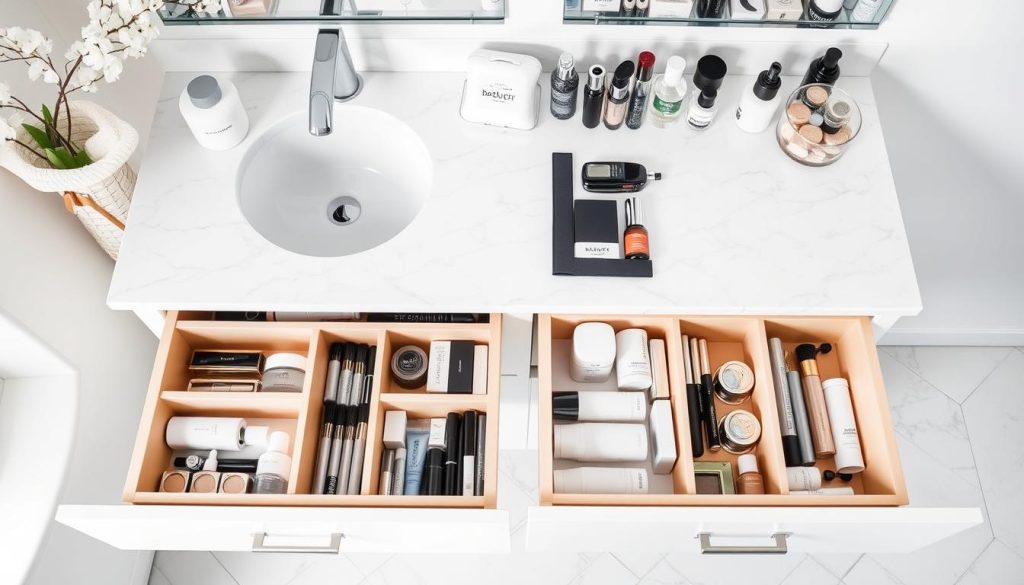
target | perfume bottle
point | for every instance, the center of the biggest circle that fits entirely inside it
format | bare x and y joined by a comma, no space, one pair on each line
618,95
635,239
638,102
564,85
703,109
593,97
669,92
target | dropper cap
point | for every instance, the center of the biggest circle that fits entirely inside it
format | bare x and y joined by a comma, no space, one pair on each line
768,82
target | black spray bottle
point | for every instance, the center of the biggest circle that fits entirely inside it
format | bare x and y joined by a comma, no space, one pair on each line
593,97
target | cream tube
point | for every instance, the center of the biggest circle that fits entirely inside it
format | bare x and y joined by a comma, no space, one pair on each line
601,480
599,406
632,361
601,442
803,478
849,458
205,433
831,491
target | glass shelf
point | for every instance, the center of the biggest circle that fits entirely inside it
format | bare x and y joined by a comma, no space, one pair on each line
322,11
575,14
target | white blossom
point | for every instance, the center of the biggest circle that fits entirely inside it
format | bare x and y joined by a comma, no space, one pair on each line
7,131
5,94
38,68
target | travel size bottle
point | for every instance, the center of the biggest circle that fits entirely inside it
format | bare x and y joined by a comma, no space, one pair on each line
273,466
564,85
702,109
638,102
635,238
757,107
669,92
618,96
749,480
593,97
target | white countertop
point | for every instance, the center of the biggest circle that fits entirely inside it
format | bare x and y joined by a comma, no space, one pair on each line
736,227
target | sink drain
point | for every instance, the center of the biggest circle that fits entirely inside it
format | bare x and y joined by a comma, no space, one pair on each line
344,210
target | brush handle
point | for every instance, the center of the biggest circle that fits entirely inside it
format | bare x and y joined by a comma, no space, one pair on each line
693,407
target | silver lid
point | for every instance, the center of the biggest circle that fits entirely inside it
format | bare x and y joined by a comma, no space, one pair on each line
596,79
566,66
204,91
634,213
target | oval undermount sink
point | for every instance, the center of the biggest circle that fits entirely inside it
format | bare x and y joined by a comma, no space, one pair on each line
339,194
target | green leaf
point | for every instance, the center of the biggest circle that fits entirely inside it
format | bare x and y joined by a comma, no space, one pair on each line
47,116
60,158
82,159
40,136
51,132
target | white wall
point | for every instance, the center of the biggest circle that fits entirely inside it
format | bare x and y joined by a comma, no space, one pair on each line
55,281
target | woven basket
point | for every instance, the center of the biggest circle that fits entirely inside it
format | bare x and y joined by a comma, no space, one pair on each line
98,194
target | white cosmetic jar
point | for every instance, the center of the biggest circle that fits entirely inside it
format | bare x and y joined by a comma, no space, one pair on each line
593,352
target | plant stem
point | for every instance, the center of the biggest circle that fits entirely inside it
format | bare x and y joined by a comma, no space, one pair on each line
30,149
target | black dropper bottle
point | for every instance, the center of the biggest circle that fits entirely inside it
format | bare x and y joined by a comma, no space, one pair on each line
824,69
593,97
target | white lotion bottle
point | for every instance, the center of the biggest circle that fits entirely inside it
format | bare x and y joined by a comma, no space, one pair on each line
803,478
600,406
601,442
757,107
633,360
849,458
601,480
205,433
273,467
214,113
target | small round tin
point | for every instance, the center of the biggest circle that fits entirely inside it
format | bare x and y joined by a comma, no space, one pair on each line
734,381
740,431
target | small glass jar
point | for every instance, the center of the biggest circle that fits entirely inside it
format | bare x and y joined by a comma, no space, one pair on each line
284,372
818,124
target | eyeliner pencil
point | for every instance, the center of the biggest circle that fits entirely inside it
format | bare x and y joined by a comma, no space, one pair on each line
337,439
692,401
323,455
710,416
355,478
481,449
351,418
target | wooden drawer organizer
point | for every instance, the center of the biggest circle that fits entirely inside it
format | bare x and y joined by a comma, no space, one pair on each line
300,413
741,338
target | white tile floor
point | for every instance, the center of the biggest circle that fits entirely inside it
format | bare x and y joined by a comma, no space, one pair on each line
959,417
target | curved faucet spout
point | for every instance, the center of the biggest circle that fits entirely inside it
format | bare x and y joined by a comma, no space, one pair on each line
333,78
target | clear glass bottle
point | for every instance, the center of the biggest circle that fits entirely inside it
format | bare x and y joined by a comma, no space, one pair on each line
638,102
702,109
669,93
565,83
273,466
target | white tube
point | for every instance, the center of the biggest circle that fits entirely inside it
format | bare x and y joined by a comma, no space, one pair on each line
632,362
205,433
849,458
601,480
830,491
601,442
612,407
803,478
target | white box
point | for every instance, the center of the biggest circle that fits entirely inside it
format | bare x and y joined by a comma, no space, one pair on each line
747,9
394,429
663,437
783,9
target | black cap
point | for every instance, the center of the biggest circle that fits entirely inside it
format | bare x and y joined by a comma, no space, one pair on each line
710,71
831,58
791,451
828,475
768,82
566,405
806,351
707,97
623,73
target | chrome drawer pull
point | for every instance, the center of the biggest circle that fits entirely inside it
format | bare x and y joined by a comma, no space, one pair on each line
259,538
779,548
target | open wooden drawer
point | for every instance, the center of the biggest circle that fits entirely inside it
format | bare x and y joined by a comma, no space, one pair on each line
300,519
672,516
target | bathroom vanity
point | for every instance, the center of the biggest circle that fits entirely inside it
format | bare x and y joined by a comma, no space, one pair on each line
746,245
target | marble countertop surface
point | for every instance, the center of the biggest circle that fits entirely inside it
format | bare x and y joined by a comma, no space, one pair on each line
736,227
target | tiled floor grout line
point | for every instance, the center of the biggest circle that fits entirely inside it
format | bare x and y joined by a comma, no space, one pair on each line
152,568
217,560
847,572
366,576
987,376
647,572
974,562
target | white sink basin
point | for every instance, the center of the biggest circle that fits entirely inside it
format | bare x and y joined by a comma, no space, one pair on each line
339,194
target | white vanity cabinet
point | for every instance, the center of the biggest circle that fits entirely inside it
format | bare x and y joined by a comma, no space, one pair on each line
300,520
674,517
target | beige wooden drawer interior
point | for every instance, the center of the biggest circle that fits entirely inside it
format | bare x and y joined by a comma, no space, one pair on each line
672,505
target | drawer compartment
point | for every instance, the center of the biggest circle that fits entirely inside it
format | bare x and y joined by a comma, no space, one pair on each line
742,339
300,413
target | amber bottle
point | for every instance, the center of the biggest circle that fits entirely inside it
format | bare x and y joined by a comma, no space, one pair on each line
635,240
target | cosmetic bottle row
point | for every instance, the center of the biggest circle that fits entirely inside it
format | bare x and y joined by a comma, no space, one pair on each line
215,370
819,11
433,457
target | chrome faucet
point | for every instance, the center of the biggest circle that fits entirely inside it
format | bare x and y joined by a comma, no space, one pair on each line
333,78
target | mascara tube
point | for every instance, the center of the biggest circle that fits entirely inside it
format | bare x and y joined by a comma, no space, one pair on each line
708,396
693,402
803,425
784,404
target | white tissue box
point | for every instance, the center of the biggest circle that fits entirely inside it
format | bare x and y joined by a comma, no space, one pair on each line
501,89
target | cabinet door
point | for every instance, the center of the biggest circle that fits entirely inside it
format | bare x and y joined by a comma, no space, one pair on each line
742,530
291,529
